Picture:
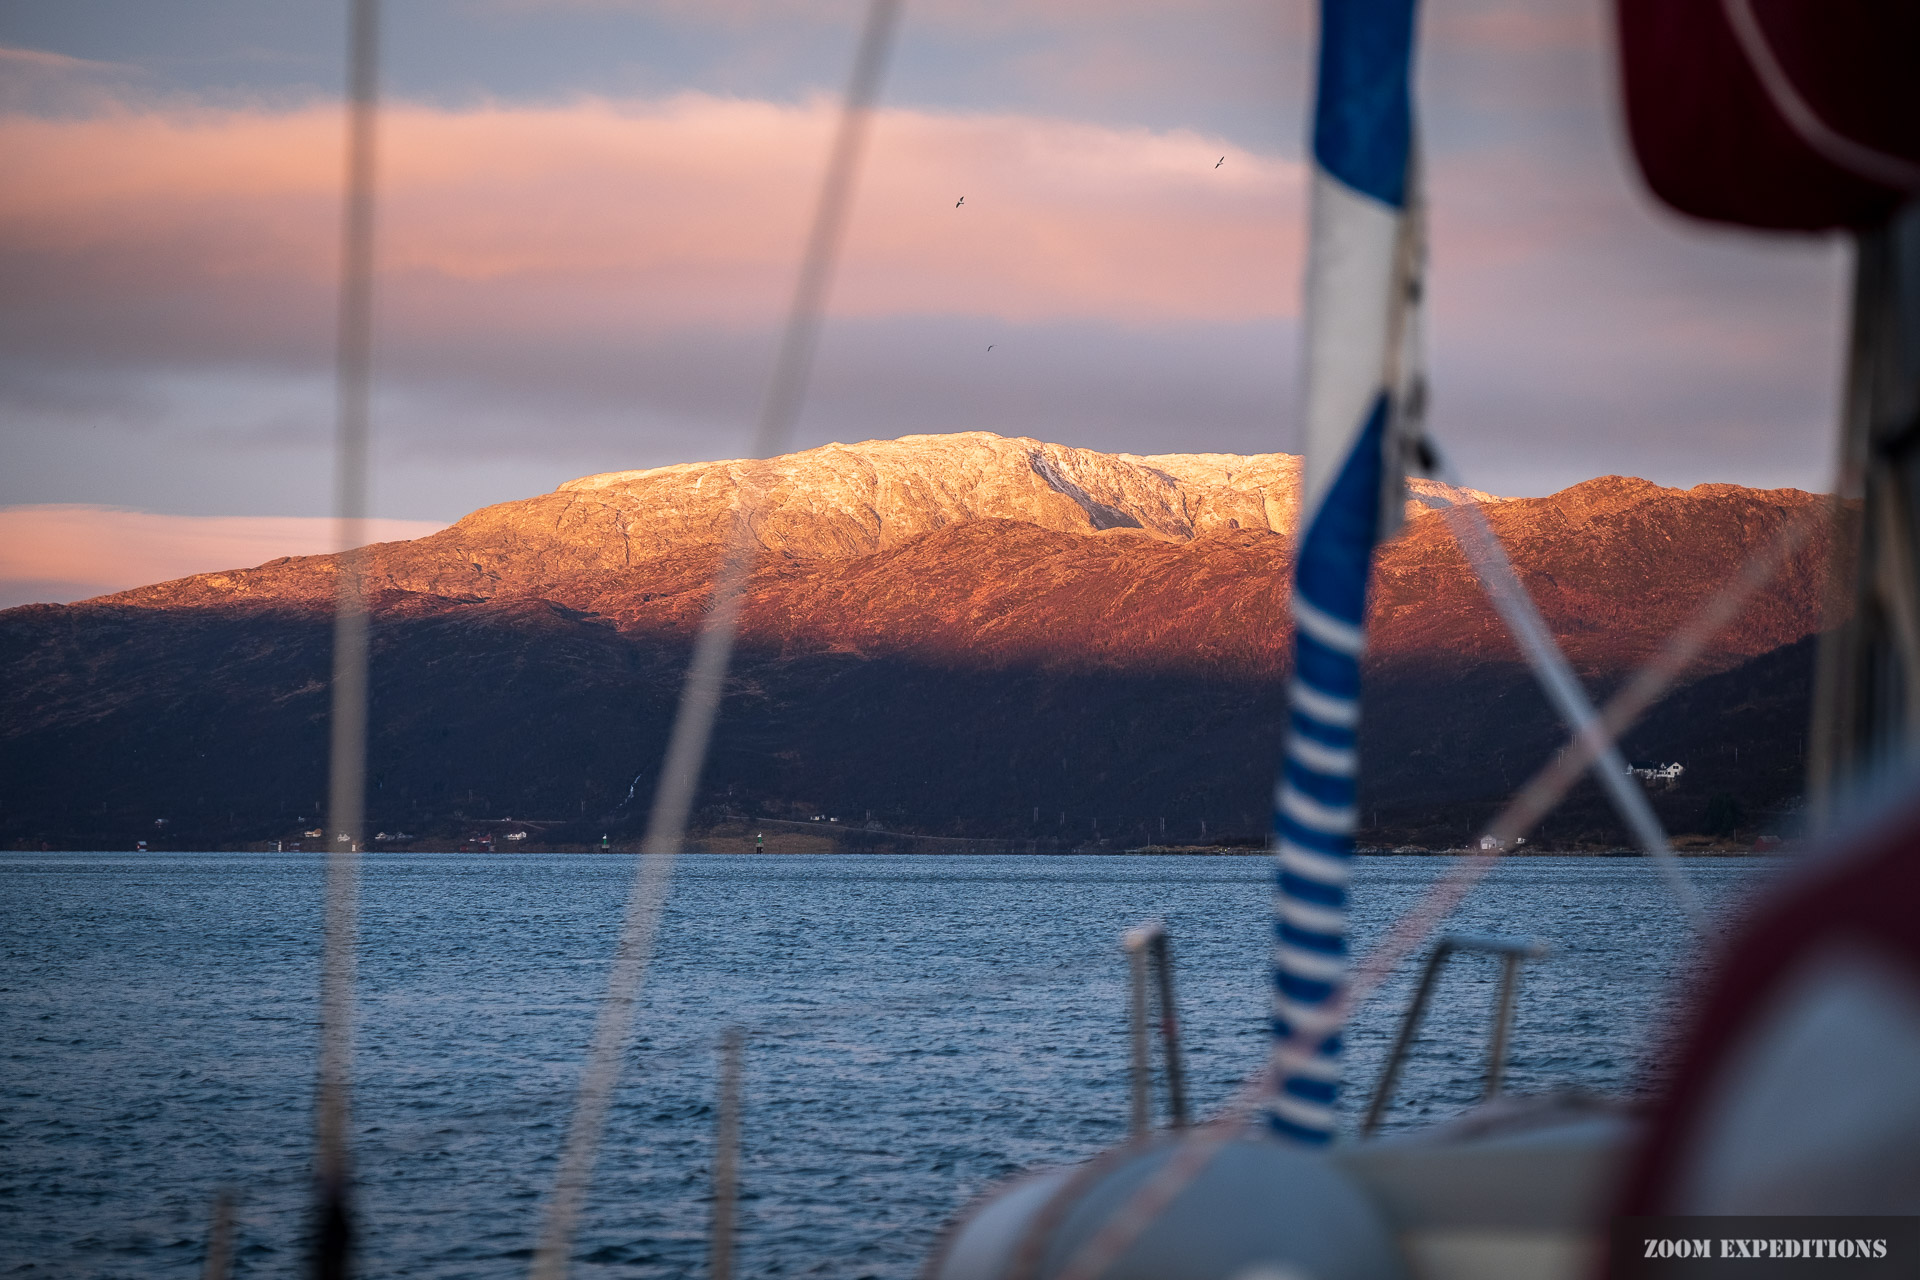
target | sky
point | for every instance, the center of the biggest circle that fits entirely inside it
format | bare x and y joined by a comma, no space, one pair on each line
591,214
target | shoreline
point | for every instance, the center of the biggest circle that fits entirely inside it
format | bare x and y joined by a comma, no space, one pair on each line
704,849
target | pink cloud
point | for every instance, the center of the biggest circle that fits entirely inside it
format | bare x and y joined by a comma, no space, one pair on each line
1529,28
654,214
58,553
970,15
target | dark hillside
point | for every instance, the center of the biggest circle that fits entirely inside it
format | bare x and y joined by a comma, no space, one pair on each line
525,709
961,635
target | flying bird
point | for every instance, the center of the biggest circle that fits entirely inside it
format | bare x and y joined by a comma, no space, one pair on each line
1217,163
989,346
957,203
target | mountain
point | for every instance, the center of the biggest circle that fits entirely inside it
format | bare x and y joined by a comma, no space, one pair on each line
969,635
839,502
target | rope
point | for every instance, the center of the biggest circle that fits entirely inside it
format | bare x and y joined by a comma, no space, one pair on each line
1531,803
1516,608
1879,167
706,675
347,754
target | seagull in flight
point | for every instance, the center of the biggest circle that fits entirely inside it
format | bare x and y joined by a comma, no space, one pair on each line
1217,163
989,346
957,203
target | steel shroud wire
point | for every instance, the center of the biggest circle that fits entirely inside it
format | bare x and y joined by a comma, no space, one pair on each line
713,648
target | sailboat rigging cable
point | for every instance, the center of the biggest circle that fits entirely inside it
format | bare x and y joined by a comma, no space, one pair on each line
1355,501
1414,925
1557,680
1362,284
706,674
1834,146
1650,683
347,751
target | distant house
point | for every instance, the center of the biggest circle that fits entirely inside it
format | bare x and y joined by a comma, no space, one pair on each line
1656,772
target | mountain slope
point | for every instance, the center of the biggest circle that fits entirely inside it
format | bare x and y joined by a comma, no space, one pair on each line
835,502
959,634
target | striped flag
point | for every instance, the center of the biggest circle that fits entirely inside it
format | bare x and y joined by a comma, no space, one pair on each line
1361,410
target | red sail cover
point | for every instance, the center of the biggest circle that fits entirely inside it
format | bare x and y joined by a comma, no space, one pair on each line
1797,1090
1789,114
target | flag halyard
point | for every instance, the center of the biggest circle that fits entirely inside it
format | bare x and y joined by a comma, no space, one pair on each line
1361,424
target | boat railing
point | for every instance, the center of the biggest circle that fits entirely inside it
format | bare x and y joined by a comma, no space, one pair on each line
1512,953
1146,947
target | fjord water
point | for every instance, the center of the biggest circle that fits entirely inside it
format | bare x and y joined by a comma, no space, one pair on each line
919,1028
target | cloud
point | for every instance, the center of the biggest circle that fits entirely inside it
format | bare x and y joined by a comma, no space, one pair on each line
643,215
1579,329
595,283
58,553
49,83
1021,15
1516,24
1507,27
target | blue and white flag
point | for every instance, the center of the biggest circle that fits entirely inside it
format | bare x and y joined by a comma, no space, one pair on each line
1362,283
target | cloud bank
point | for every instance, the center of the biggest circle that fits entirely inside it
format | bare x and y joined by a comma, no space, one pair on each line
653,215
594,283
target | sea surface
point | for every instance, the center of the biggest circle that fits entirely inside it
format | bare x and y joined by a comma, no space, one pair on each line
918,1028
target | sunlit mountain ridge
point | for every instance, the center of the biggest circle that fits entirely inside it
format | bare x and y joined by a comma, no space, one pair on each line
955,634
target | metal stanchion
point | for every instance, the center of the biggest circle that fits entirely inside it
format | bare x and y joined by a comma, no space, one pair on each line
220,1238
1511,951
1138,1119
1147,944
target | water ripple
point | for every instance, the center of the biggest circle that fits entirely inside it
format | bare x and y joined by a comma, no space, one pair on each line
921,1028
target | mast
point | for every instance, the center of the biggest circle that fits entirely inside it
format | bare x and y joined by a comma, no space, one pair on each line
1866,713
1362,284
1804,117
